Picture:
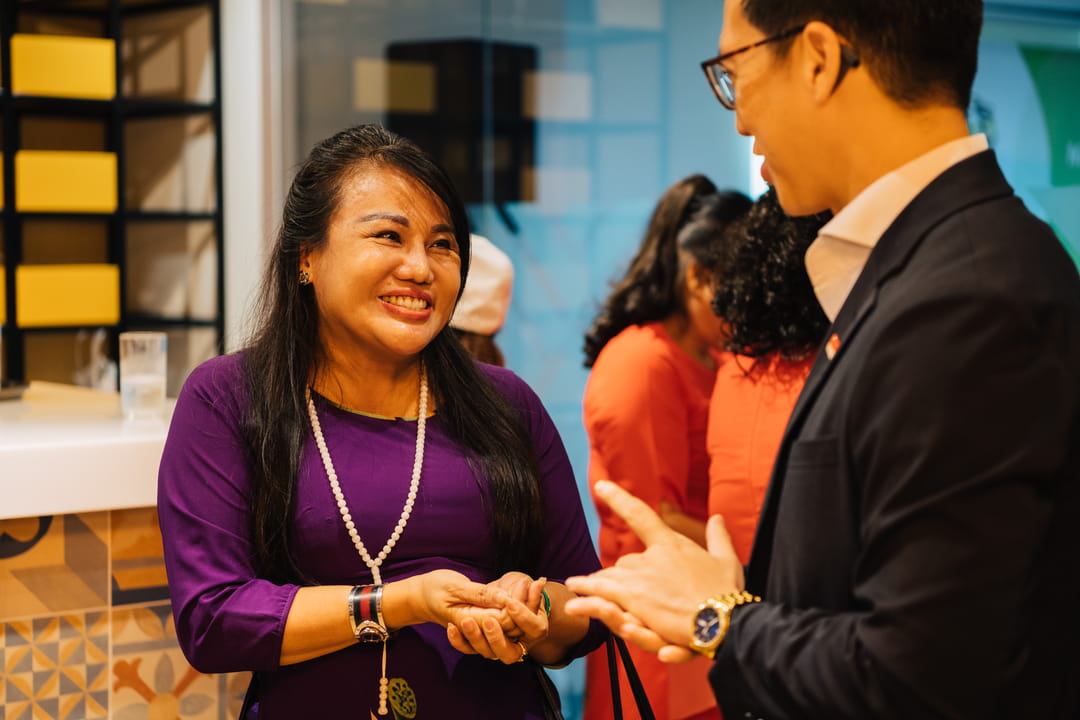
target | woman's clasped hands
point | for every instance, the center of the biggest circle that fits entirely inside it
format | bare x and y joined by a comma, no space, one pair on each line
504,621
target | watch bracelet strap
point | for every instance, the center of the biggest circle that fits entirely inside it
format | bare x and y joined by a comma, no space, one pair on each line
365,608
735,599
732,601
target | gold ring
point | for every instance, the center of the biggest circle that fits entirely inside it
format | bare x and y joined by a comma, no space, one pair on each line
524,651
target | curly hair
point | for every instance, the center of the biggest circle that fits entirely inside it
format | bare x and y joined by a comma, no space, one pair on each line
763,292
650,289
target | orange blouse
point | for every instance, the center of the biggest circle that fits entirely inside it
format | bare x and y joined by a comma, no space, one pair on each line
748,413
645,410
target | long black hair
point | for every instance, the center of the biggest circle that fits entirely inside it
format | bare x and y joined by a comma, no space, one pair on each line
763,292
650,289
284,353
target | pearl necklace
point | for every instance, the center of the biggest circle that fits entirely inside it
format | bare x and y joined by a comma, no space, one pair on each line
346,515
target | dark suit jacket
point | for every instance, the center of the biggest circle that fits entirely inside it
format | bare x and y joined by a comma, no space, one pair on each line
918,546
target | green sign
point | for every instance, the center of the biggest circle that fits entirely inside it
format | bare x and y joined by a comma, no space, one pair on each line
1056,74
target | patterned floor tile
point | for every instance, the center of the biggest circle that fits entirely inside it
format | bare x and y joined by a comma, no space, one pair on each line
233,688
51,565
138,564
151,679
55,667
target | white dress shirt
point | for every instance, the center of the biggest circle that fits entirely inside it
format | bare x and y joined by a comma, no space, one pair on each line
838,255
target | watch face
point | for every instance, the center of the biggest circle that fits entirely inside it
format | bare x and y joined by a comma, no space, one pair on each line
706,625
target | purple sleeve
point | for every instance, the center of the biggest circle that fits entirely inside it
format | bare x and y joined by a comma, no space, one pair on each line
227,619
567,548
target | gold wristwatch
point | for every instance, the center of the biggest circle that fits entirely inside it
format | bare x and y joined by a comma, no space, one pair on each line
712,620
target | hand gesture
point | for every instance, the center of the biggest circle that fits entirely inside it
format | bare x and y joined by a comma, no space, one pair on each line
504,633
650,598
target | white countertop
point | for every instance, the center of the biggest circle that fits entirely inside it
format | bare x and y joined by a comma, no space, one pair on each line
66,449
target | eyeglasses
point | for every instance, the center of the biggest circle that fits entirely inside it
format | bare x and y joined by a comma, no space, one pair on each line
720,80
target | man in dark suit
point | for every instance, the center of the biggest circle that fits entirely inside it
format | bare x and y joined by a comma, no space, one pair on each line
916,553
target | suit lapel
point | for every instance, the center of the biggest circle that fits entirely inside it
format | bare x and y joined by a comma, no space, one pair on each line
863,296
967,183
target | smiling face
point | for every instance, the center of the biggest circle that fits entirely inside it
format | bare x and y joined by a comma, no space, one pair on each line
387,276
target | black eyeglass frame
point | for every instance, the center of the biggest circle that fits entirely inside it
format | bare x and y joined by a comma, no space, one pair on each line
721,83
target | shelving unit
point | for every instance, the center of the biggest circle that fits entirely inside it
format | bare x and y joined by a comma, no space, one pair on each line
140,248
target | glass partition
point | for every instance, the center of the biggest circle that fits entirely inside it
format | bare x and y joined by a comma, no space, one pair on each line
563,121
1025,99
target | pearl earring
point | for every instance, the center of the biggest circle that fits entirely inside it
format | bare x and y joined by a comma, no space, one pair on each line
305,277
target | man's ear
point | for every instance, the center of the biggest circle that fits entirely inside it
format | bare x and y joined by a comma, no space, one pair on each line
821,55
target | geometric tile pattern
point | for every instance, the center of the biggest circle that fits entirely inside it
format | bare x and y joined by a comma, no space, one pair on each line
151,679
55,667
53,565
138,563
75,589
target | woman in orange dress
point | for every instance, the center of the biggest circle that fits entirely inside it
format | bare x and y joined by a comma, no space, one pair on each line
653,352
775,326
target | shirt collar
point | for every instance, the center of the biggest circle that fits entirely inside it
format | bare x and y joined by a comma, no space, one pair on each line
839,253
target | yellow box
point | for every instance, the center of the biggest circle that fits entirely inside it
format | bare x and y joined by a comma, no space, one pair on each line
61,181
61,295
63,66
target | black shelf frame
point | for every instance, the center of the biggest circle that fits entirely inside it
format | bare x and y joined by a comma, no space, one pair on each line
13,362
115,113
170,216
140,322
133,7
130,107
47,329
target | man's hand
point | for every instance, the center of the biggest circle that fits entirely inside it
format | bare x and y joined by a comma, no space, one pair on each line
650,598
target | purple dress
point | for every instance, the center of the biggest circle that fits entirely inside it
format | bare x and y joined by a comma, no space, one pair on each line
228,619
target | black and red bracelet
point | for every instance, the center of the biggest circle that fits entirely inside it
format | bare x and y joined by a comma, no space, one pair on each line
365,614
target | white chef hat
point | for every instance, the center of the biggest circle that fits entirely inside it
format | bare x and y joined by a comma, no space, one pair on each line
482,307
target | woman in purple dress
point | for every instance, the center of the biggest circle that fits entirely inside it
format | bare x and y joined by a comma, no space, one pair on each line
352,508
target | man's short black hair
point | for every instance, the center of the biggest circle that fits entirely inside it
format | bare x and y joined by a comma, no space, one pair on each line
918,51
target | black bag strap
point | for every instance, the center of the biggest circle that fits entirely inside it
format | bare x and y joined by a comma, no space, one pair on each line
552,709
552,705
638,690
250,696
